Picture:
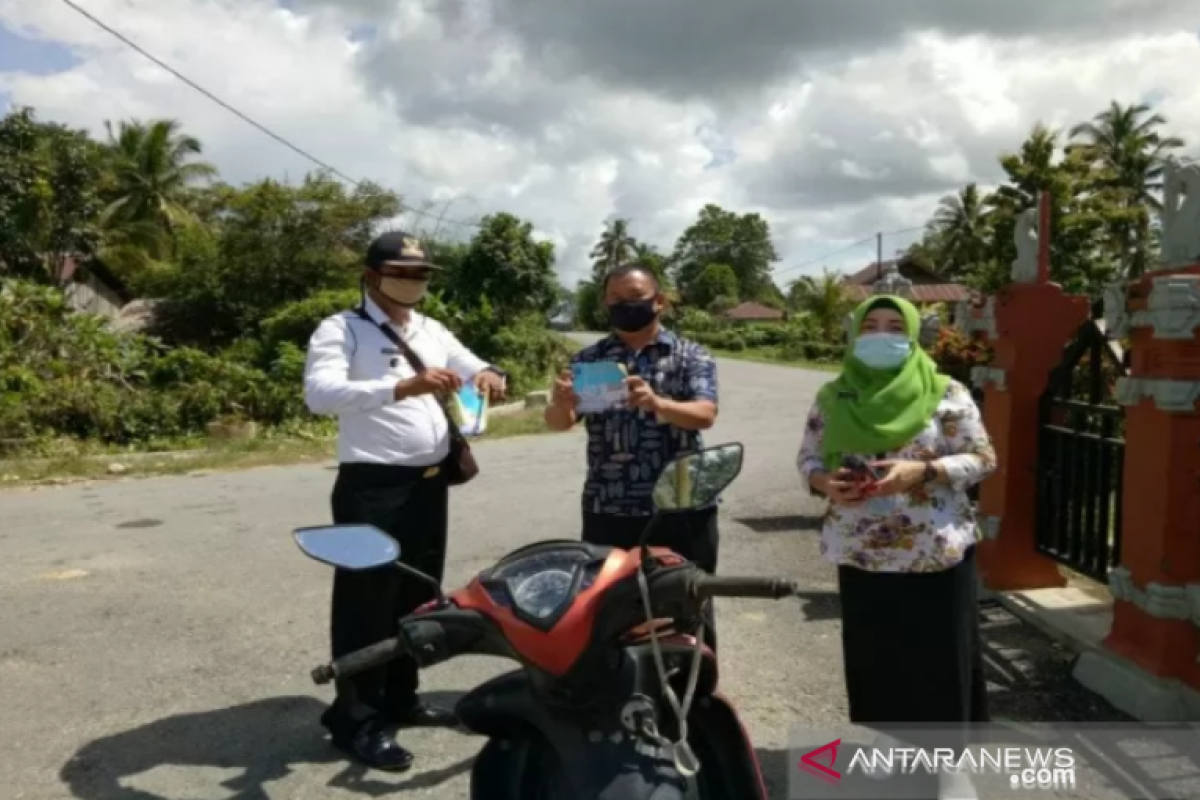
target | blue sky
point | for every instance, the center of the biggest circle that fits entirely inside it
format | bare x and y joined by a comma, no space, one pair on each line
19,54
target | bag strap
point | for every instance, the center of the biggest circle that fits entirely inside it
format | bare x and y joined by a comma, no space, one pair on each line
416,363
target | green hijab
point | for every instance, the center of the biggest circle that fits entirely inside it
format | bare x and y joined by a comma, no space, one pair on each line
870,410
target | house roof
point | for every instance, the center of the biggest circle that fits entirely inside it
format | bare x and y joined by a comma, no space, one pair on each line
752,310
873,271
921,293
870,273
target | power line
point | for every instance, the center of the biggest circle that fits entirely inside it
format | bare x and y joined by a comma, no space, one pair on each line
872,238
244,117
440,218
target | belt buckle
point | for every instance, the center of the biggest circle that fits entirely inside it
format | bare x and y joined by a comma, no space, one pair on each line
431,472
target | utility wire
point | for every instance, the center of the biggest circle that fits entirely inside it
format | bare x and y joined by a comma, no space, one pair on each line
244,117
335,171
850,246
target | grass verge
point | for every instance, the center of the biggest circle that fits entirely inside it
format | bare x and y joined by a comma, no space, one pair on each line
212,456
770,355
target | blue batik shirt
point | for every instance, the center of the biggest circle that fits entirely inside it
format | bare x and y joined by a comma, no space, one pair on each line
628,447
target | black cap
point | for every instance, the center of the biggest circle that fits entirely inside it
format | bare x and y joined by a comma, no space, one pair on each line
400,249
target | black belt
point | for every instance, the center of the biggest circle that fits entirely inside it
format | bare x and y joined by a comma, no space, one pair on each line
368,470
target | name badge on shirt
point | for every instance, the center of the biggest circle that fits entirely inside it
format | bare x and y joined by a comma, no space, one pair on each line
389,351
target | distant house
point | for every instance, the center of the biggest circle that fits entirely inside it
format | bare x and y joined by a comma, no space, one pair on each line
926,287
750,311
92,288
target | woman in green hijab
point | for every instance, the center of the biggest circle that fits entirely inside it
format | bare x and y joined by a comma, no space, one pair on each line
894,445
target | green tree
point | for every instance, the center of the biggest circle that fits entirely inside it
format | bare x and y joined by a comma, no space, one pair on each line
1129,153
961,231
507,266
649,257
716,280
590,314
49,200
823,302
1080,220
154,170
743,241
274,244
615,247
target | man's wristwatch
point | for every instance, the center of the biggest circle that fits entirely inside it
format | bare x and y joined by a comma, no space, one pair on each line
931,472
503,375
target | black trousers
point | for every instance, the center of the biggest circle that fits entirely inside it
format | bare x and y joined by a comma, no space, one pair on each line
912,648
691,534
412,508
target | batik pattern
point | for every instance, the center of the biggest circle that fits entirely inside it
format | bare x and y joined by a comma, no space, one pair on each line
928,528
627,447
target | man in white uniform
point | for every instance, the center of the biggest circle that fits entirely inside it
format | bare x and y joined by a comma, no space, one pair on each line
392,439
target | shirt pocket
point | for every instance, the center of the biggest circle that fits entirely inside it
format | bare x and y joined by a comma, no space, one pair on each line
382,363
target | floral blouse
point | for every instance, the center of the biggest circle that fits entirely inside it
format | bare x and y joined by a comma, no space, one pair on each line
928,528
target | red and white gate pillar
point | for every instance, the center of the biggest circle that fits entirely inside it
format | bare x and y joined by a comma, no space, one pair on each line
1148,666
1027,324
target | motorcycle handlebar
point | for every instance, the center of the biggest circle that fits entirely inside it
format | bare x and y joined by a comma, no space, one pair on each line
425,639
358,661
769,588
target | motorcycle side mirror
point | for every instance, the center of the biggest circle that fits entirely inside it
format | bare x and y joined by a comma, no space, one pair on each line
693,481
350,547
358,548
696,480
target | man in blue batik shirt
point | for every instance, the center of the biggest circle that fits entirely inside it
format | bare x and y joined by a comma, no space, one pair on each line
672,397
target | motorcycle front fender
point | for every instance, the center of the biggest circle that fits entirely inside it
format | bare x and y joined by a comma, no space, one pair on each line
543,753
539,753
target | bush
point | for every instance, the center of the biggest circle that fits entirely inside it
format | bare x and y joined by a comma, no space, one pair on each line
70,375
957,354
64,374
295,322
691,321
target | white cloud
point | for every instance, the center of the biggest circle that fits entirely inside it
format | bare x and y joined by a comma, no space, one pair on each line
534,113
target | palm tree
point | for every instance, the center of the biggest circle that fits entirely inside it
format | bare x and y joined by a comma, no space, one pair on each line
961,226
824,300
1124,144
153,172
615,247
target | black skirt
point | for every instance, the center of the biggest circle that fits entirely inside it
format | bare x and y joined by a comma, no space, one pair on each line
911,645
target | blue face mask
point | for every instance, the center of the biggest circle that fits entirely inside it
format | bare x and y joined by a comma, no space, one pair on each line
882,350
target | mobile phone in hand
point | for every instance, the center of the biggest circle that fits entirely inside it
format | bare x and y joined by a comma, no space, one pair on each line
860,470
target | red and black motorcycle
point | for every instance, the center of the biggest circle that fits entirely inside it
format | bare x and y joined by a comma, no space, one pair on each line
616,697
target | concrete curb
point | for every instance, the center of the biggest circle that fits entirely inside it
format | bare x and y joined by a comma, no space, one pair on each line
507,408
1069,616
1081,622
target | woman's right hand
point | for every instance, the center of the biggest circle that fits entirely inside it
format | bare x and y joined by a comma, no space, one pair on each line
839,488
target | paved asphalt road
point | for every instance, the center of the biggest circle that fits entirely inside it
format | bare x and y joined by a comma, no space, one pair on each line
157,634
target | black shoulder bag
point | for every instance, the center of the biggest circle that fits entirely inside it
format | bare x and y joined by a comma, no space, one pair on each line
460,465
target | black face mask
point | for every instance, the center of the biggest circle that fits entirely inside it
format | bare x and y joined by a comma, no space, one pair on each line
631,316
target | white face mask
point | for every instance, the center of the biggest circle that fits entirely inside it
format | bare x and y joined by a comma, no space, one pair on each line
403,291
882,350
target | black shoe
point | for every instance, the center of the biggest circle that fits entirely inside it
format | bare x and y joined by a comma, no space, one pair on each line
420,715
376,747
